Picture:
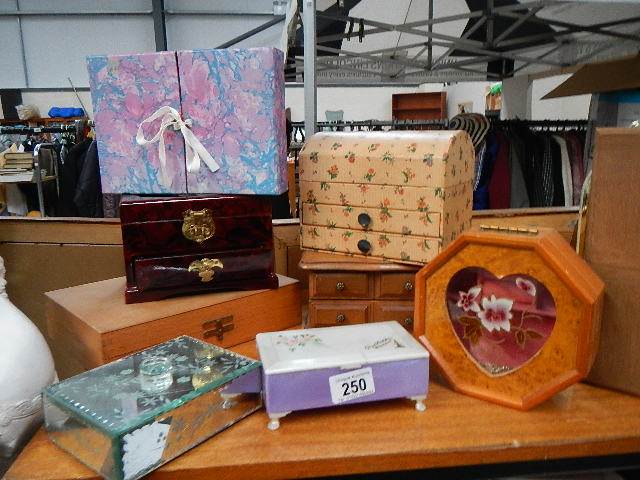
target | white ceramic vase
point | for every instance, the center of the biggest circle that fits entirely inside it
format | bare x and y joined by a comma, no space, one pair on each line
26,367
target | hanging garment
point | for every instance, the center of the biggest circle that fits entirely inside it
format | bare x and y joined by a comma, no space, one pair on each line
481,193
541,171
577,171
519,194
69,175
556,173
88,196
111,205
528,162
500,182
478,166
567,181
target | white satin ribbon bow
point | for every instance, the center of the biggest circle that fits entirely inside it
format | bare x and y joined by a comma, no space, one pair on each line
194,150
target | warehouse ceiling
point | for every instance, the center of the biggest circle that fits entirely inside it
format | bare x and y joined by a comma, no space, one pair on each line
417,41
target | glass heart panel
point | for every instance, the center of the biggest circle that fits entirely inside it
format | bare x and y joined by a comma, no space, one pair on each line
502,323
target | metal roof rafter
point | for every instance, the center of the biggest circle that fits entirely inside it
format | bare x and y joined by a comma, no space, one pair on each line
572,27
515,25
395,61
469,32
372,31
507,55
540,57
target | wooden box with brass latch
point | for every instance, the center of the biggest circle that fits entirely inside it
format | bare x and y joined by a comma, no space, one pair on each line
178,245
346,290
90,325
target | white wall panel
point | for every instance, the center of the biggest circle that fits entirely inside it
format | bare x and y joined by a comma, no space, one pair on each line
7,5
567,108
463,92
186,32
56,48
11,71
358,103
262,6
86,5
516,97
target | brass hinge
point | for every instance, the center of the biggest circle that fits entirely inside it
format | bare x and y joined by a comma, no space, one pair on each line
217,328
508,229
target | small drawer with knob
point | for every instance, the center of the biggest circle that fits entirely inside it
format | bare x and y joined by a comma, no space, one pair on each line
401,312
340,285
408,248
332,313
399,285
373,219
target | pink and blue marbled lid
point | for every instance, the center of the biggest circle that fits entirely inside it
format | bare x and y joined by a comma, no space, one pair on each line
235,99
126,89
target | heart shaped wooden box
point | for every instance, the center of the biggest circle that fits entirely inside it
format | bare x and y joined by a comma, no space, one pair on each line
509,315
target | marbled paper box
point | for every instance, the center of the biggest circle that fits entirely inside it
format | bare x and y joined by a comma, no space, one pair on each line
232,100
127,418
325,367
235,98
126,89
401,196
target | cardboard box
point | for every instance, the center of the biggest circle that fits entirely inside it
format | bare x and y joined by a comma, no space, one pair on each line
615,85
611,247
609,76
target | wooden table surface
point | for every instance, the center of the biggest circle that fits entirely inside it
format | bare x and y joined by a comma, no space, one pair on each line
454,431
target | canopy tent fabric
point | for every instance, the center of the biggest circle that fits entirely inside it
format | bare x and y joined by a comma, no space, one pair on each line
416,41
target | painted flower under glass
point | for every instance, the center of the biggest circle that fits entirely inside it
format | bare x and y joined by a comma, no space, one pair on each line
496,313
467,300
526,285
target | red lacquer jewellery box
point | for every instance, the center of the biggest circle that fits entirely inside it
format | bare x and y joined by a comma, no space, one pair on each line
174,246
509,315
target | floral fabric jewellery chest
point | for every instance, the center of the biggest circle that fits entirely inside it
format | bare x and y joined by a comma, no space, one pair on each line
201,121
509,315
401,196
332,366
127,418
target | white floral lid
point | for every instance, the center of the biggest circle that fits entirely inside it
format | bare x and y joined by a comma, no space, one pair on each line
349,346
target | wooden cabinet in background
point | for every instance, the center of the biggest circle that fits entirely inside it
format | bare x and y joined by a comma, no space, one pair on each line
419,106
347,290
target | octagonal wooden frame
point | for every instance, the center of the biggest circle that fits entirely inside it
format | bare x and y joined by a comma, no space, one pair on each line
568,353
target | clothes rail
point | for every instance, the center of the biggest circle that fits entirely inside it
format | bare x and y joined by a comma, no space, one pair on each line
379,123
543,124
76,126
371,125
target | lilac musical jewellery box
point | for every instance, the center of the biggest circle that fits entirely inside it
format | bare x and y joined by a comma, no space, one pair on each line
323,367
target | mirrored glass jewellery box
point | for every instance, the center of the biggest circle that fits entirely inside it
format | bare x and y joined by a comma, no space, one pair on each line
401,196
510,315
330,366
128,417
184,245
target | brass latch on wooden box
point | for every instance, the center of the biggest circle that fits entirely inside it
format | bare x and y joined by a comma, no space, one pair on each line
205,268
198,225
217,328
